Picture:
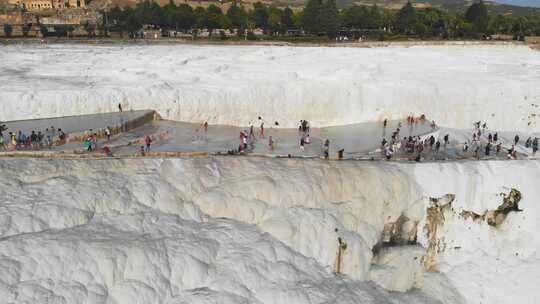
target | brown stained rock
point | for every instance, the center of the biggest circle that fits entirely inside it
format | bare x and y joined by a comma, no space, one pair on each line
510,203
392,231
440,207
472,215
401,232
434,220
496,217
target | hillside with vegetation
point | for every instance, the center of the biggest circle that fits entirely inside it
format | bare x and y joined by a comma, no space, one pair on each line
494,6
323,18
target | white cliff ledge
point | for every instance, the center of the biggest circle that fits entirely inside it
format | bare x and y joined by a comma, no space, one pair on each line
455,85
247,230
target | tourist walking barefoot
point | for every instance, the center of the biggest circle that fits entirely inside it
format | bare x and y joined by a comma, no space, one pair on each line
148,143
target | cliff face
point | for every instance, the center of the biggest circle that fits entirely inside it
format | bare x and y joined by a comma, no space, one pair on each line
261,230
454,84
247,229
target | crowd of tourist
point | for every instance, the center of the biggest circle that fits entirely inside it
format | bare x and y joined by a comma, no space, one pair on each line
34,140
486,143
413,145
483,143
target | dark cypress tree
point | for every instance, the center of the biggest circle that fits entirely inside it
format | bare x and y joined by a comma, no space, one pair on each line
287,18
133,25
477,14
214,18
184,17
116,16
311,19
330,18
406,19
259,15
200,16
237,16
169,14
375,17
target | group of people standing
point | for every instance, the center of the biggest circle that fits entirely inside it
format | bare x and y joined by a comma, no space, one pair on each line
532,143
410,144
303,129
389,148
482,142
90,141
35,140
248,137
90,138
305,139
419,146
251,135
493,143
488,145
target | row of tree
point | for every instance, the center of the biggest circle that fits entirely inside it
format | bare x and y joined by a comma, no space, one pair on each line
184,17
322,17
473,23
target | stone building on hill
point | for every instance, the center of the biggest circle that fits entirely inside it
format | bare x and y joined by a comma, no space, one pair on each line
48,4
32,23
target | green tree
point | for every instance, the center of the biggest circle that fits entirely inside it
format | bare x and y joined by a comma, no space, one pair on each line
287,18
200,16
420,29
274,20
451,25
500,24
477,15
156,15
406,19
330,18
133,23
519,27
464,29
297,19
142,12
184,17
260,15
214,18
375,17
353,16
362,17
116,16
434,20
237,16
387,21
312,16
149,12
169,14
